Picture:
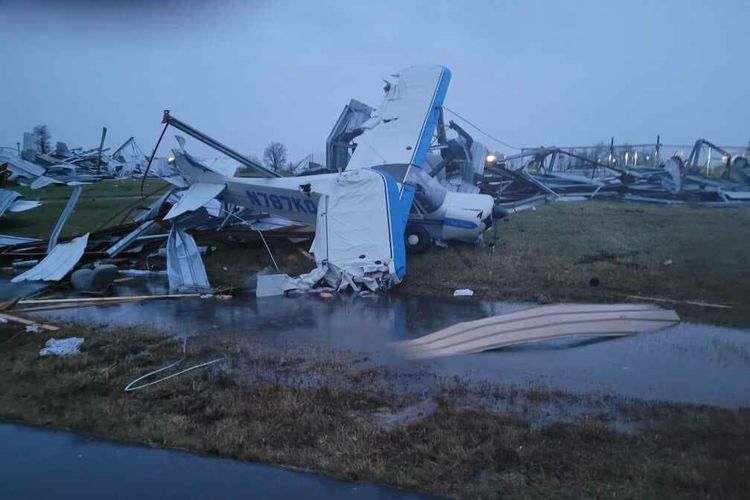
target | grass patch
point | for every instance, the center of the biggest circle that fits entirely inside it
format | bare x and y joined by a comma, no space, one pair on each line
602,251
315,411
98,202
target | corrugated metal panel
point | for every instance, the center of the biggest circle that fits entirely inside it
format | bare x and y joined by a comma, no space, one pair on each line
184,265
59,262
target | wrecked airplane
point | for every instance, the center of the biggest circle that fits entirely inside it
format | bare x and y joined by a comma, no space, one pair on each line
367,215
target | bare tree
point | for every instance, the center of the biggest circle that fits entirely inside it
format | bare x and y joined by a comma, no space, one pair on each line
242,169
42,139
274,156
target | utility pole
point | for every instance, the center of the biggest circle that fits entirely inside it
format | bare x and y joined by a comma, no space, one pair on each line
658,148
101,146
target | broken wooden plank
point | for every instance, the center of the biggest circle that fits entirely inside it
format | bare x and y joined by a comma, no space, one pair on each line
9,304
109,299
73,305
28,322
538,324
675,301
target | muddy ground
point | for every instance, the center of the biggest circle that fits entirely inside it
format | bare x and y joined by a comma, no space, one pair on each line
340,413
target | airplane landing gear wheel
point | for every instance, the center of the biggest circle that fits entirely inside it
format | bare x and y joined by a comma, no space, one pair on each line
417,239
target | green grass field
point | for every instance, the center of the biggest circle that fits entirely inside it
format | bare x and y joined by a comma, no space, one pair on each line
98,202
603,251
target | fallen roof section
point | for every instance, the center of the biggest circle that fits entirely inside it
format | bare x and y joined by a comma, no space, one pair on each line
58,262
537,324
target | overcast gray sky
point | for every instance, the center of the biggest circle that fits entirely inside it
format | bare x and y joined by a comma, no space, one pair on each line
530,73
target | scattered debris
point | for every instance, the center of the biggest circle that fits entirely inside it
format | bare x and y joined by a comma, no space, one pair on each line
269,285
28,322
463,292
62,347
77,166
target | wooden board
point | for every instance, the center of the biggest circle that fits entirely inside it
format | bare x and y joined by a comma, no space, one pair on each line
538,324
28,322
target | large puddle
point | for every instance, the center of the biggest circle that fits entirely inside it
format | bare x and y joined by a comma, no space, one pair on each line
694,363
41,464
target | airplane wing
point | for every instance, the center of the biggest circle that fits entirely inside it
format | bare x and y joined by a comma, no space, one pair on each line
401,130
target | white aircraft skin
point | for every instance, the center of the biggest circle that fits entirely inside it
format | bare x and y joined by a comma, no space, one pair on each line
464,216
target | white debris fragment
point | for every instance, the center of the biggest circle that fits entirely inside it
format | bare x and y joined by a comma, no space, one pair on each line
62,347
463,292
33,328
270,285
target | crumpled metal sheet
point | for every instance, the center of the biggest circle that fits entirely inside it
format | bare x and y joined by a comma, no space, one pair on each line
185,268
72,201
43,181
7,198
23,205
58,262
9,202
